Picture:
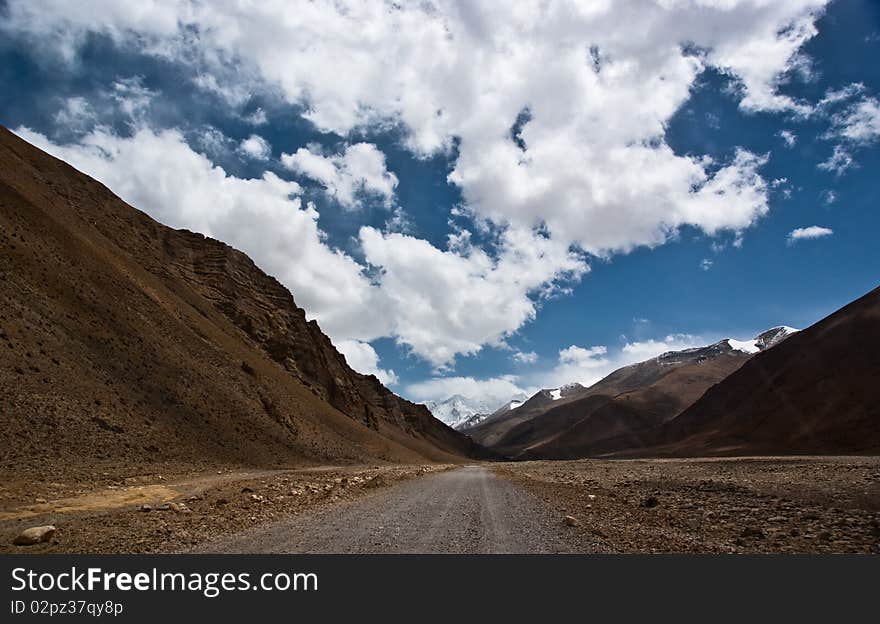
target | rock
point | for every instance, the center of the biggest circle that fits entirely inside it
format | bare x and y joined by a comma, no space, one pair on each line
777,519
220,502
591,496
146,508
163,507
570,521
40,500
34,535
246,490
650,501
752,532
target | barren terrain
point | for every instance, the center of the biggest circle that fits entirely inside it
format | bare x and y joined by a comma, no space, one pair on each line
739,505
733,505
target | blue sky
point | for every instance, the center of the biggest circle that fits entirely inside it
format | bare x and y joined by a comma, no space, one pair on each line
645,201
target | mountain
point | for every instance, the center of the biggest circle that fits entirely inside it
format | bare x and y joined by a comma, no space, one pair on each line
127,346
490,429
457,409
515,402
622,406
816,393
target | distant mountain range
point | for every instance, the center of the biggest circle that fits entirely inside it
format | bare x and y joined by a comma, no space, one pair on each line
571,421
815,391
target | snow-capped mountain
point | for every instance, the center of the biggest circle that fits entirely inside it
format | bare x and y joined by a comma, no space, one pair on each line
573,421
457,409
762,341
511,404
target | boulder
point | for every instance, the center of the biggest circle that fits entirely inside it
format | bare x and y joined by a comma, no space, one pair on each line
34,535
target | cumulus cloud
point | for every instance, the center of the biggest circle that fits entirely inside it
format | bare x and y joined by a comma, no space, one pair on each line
160,174
75,114
706,264
788,137
360,169
588,169
255,147
859,123
806,233
584,365
839,161
450,302
492,390
362,357
595,166
525,357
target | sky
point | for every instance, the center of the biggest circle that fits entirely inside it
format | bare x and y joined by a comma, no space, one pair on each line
484,198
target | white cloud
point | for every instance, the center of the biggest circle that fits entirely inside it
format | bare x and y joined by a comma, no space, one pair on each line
453,302
160,174
525,357
453,72
584,365
493,390
839,161
860,123
76,114
588,365
828,197
255,147
706,264
644,350
257,118
362,357
359,169
788,137
595,174
806,233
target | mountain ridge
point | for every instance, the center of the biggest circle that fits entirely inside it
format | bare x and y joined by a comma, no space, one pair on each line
128,344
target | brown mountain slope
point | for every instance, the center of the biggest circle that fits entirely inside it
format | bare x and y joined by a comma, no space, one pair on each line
816,393
124,343
629,401
494,427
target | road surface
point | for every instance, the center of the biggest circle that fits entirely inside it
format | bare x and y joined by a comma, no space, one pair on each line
468,510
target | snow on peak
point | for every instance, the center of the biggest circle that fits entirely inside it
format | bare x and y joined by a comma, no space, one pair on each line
764,340
556,394
746,346
457,409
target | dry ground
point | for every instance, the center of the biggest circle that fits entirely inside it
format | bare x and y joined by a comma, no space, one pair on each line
738,505
109,518
733,505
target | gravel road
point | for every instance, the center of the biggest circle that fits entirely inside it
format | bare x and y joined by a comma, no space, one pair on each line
467,510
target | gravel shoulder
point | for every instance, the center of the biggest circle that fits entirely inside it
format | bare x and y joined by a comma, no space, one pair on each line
183,510
469,510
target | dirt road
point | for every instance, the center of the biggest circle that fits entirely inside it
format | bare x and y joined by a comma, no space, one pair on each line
469,510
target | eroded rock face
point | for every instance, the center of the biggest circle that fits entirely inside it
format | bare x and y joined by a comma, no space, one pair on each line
266,312
134,347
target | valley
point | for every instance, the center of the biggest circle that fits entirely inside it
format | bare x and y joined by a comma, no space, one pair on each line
725,505
162,394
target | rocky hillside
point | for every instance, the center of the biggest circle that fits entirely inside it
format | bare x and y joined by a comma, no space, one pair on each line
126,345
816,393
624,406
